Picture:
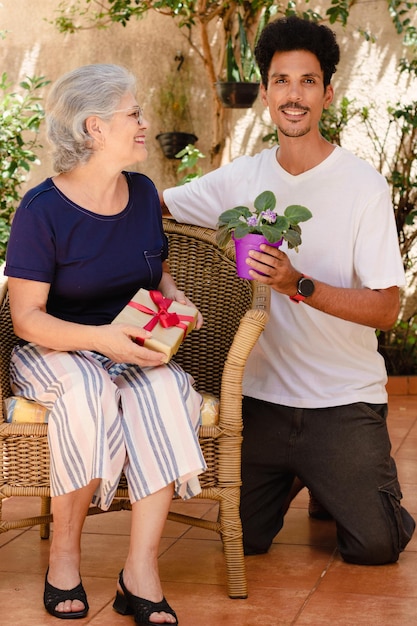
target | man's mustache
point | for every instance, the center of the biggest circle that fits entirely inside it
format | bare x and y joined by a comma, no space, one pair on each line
293,105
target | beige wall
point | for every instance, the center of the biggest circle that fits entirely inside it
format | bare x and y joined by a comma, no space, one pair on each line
148,47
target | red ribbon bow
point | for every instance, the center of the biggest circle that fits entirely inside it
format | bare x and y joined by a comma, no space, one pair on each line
162,315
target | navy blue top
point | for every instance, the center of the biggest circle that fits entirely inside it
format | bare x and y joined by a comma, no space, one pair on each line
94,263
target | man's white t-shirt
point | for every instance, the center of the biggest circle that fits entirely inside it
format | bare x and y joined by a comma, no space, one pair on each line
306,358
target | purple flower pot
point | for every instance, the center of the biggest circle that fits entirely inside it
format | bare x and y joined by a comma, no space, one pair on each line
252,241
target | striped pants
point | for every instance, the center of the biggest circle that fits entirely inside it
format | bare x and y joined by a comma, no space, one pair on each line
106,417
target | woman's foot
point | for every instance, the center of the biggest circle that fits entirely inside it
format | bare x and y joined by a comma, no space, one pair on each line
146,612
64,574
65,603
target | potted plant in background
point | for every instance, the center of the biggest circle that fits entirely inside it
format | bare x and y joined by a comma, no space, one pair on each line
188,165
174,113
249,228
240,88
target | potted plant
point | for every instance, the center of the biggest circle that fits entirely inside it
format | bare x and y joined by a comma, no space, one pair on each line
249,228
189,164
242,78
174,115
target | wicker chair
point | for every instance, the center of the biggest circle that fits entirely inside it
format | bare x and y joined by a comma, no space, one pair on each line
235,313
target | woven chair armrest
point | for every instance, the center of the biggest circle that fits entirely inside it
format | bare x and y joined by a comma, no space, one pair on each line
261,297
250,328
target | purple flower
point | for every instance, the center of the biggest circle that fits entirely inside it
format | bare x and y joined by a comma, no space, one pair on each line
252,221
269,216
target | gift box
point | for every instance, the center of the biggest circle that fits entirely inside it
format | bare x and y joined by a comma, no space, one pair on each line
167,320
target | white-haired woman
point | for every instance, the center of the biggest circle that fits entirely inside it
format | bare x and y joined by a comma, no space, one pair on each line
82,243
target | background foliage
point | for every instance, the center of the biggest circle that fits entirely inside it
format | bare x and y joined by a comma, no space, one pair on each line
20,118
207,27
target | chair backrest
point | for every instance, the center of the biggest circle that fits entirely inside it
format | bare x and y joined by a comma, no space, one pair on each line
208,277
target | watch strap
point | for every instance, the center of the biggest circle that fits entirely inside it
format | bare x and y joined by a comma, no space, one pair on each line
297,298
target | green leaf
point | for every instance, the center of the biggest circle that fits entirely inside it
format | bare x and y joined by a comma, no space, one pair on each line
241,230
265,201
232,69
410,218
293,238
272,234
282,223
233,215
223,236
297,213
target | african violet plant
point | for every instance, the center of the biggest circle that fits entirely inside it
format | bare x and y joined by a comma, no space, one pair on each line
263,220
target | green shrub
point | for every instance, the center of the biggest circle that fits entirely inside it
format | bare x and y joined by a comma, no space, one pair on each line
20,118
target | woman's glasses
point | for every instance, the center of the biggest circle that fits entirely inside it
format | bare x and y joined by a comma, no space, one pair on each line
135,111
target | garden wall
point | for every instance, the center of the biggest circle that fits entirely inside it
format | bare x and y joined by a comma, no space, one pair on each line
149,46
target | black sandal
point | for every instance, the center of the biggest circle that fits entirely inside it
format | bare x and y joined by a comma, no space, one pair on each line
128,604
53,596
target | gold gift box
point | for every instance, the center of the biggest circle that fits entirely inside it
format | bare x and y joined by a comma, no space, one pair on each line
164,339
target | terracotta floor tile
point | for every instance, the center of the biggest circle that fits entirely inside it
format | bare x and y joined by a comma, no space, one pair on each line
410,497
338,609
300,529
194,561
407,469
400,424
207,605
408,448
114,523
16,508
301,499
7,537
397,579
25,553
301,581
406,403
288,567
21,599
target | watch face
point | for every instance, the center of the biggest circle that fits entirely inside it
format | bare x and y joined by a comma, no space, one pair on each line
305,287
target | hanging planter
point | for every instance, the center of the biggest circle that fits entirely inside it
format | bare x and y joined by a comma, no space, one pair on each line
173,142
241,75
237,95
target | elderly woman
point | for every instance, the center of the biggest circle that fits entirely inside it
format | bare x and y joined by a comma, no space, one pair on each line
82,243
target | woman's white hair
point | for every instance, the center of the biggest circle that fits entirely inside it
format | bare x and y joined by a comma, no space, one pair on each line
88,90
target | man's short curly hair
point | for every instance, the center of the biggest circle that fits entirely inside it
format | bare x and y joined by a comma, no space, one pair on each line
295,33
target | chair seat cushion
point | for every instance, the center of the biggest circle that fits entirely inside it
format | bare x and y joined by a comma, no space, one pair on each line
21,411
210,410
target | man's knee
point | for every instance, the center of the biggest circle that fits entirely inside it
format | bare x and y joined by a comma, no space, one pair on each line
373,553
383,544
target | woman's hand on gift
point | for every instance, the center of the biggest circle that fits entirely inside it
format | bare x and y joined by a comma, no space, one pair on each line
121,343
179,296
169,289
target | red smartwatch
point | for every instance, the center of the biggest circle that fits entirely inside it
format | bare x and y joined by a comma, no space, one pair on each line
305,288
